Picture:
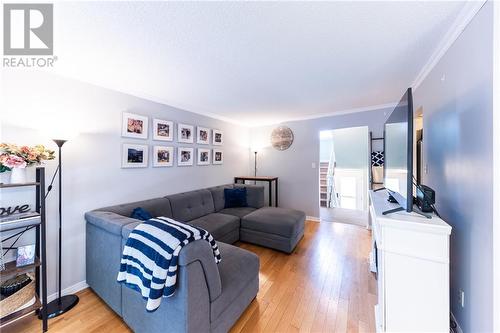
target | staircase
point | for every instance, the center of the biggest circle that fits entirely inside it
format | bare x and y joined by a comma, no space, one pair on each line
323,171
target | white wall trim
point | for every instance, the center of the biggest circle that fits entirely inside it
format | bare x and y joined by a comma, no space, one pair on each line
313,218
458,329
467,13
496,165
70,290
329,114
192,109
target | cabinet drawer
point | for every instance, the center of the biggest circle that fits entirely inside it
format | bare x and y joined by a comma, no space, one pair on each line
423,245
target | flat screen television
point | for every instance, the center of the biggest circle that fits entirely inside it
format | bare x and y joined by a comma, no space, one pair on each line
398,152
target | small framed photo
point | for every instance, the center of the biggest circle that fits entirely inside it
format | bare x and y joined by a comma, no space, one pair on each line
163,130
25,255
203,156
134,126
163,156
134,156
218,139
203,135
184,156
218,156
185,133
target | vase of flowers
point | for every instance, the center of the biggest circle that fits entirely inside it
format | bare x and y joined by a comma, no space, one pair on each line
16,159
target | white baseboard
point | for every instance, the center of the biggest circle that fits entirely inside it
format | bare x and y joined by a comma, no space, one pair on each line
313,218
70,290
458,329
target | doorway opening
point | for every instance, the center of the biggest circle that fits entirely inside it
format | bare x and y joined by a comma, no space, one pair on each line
418,148
344,175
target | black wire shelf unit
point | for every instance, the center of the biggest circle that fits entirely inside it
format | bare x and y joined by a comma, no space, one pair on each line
36,221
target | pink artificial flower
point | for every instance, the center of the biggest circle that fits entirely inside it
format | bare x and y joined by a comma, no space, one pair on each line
14,161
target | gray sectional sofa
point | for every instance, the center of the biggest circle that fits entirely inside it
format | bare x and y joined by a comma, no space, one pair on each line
208,297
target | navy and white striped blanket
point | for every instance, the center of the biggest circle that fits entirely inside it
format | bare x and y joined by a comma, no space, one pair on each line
150,257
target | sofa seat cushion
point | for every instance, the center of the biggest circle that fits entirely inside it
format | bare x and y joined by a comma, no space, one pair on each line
237,270
238,211
217,224
279,221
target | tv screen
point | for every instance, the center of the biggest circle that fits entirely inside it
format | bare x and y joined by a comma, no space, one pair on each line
398,147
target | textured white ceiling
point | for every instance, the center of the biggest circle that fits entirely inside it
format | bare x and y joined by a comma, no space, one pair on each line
252,62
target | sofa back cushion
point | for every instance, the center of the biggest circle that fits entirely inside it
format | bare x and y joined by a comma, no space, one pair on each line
255,195
156,207
218,195
188,206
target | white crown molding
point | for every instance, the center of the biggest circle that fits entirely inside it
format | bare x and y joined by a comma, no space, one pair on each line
190,108
328,114
464,17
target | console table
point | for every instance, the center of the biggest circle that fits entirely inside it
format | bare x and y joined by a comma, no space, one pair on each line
269,180
411,258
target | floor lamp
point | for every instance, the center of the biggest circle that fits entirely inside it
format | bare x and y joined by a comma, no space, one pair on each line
255,164
65,303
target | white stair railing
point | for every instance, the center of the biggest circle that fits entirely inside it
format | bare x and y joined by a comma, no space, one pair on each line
331,192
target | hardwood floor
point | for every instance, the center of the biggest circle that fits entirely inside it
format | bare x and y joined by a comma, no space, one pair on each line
343,215
324,286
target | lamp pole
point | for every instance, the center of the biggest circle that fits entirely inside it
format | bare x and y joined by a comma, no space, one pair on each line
255,166
59,144
63,303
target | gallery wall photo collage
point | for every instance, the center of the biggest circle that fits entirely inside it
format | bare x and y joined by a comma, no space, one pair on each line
136,155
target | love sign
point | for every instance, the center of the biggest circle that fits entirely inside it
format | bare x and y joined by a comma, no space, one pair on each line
6,211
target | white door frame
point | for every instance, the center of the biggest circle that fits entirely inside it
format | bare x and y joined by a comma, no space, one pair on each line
366,182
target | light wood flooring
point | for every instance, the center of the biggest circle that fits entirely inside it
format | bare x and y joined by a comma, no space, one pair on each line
324,286
343,215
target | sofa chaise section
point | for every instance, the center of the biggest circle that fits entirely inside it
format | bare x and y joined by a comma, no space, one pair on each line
278,228
208,297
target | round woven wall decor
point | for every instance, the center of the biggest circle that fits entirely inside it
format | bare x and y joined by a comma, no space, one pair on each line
282,138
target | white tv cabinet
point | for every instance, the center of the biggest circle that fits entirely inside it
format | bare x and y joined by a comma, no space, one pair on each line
411,258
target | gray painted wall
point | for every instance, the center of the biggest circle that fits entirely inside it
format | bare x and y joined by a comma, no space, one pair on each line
456,99
298,180
325,148
92,161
